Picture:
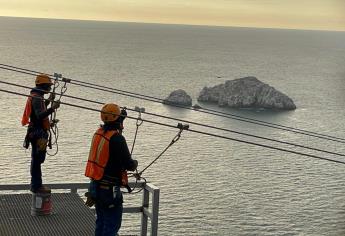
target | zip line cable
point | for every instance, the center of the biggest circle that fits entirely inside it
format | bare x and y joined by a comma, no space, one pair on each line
195,131
335,139
205,110
23,71
191,122
276,126
84,84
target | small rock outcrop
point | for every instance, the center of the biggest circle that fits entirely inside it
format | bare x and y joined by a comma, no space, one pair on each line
178,97
247,92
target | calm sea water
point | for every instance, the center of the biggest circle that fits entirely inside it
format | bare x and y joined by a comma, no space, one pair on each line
209,186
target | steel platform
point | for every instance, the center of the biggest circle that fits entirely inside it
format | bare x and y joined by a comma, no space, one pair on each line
69,216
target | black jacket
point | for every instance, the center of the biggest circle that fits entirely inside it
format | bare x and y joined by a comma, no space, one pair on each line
119,157
39,109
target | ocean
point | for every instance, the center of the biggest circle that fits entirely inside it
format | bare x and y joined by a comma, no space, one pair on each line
209,186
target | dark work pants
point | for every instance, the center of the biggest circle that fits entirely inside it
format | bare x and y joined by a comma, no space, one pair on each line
38,155
109,211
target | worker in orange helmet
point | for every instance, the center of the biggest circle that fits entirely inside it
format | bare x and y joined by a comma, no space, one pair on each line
109,158
36,117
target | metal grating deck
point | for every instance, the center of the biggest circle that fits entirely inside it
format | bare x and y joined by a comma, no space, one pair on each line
70,216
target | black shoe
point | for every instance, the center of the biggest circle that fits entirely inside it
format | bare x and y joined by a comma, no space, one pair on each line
42,189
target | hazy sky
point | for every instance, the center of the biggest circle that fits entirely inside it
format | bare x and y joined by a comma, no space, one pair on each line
305,14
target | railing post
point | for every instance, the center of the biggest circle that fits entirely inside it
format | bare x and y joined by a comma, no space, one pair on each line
143,215
155,210
74,190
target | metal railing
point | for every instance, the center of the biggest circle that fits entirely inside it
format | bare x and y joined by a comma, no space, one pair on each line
144,209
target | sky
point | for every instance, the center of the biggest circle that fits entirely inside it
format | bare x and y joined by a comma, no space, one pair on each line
292,14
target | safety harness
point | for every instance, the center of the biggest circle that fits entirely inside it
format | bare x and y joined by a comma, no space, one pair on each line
48,124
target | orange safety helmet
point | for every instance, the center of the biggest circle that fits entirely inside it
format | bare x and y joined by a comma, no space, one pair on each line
43,79
110,112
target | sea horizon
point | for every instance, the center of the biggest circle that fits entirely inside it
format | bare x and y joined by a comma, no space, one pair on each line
172,24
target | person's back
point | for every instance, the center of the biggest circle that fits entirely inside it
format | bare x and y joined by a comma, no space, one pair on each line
109,157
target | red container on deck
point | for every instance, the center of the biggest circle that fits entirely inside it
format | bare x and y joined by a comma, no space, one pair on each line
41,204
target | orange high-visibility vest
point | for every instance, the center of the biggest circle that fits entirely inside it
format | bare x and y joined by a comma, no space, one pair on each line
99,154
28,111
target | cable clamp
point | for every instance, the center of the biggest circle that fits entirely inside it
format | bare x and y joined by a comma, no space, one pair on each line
66,80
182,126
56,79
140,110
178,135
63,90
57,76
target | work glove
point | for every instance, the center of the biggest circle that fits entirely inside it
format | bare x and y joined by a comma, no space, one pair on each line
55,104
123,115
90,201
51,96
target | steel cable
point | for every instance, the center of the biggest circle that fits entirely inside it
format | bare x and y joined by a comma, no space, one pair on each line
197,131
205,110
195,123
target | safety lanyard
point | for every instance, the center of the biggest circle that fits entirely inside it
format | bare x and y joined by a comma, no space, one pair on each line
173,141
54,130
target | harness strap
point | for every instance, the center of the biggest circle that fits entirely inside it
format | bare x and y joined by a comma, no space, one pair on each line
173,141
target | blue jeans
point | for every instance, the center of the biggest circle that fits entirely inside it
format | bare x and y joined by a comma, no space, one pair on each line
109,211
38,155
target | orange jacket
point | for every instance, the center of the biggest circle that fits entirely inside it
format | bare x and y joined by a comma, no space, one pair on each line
99,154
28,111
